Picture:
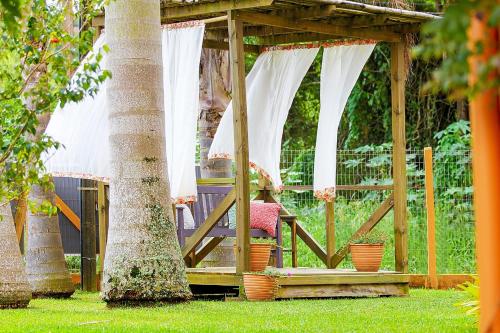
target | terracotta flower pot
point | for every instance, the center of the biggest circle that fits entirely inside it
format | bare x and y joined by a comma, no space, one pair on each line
259,287
367,257
259,256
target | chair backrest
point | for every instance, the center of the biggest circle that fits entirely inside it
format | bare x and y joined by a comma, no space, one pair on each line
209,198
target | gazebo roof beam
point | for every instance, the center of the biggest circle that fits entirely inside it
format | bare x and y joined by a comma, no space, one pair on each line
375,9
307,13
317,27
298,37
205,8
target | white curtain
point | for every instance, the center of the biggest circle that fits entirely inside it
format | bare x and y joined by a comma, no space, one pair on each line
271,86
82,129
181,50
339,72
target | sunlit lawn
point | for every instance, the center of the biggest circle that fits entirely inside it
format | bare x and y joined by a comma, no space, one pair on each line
423,311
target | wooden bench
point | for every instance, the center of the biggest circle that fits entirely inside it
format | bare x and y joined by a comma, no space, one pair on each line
209,198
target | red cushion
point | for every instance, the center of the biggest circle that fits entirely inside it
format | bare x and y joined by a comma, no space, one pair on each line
264,216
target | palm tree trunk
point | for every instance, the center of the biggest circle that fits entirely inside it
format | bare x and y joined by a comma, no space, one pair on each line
215,86
15,291
143,260
45,262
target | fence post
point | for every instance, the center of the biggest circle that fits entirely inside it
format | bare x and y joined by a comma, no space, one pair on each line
103,224
431,217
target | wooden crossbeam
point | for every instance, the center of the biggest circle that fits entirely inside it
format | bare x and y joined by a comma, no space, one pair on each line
374,219
219,45
307,13
200,233
206,249
205,8
68,212
302,232
317,27
300,37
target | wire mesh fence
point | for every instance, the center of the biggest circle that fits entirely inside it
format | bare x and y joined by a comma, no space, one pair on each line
372,166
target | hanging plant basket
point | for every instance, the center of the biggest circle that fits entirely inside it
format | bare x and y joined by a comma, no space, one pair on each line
260,287
367,257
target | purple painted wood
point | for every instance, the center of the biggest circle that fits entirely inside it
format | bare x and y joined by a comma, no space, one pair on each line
209,198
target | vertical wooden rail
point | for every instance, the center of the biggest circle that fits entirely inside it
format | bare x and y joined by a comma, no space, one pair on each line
431,217
88,237
330,232
237,65
103,224
398,73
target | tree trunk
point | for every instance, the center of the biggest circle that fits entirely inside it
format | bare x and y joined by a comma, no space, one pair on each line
45,262
215,86
15,290
143,258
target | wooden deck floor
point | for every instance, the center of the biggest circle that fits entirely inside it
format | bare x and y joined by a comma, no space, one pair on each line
308,282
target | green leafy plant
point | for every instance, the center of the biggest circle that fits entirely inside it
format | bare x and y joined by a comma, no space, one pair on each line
372,237
471,304
263,241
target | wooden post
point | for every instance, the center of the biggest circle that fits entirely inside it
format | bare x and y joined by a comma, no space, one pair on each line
237,65
398,73
431,228
330,232
485,130
103,224
88,237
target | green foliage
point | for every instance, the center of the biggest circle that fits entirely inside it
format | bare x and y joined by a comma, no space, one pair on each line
446,41
374,236
37,60
10,12
471,304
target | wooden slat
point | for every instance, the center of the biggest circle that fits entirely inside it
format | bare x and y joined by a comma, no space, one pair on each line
330,232
317,27
68,212
398,77
315,279
204,8
381,211
343,290
200,233
88,238
103,223
237,64
216,181
431,218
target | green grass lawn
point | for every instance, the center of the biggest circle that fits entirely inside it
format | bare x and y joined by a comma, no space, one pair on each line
424,311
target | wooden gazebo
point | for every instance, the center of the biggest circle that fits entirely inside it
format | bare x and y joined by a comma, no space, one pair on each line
277,22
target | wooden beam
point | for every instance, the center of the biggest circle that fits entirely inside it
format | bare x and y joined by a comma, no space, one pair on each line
431,218
103,223
237,65
302,232
206,8
375,218
21,214
307,13
317,27
88,238
212,219
68,212
219,45
398,78
206,249
330,232
300,37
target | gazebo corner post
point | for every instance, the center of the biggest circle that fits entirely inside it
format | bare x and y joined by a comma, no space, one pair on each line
237,66
330,233
398,78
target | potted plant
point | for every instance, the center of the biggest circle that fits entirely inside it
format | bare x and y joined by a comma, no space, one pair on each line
260,252
367,251
261,286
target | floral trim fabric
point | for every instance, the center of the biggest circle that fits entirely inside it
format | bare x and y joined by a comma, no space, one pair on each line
327,194
181,25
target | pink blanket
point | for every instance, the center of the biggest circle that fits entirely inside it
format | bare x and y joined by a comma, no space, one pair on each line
264,216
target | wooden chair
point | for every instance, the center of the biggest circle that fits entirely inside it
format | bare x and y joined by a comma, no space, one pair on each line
209,198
